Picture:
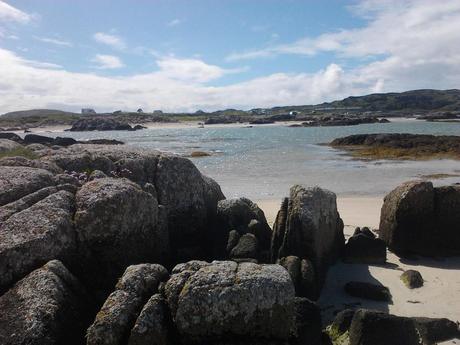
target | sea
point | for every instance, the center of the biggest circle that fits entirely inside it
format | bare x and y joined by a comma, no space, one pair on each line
264,161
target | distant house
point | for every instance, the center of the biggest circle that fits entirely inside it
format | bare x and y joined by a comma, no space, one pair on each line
88,111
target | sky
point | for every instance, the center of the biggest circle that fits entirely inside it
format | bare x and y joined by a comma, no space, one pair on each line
189,55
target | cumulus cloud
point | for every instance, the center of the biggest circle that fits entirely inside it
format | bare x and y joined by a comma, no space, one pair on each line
10,13
107,61
54,41
110,40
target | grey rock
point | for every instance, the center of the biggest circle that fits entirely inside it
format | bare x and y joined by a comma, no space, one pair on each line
16,182
31,163
447,215
116,216
246,248
117,316
434,330
44,308
224,299
308,323
152,325
8,145
312,228
412,279
377,328
368,291
35,235
292,265
364,249
95,174
308,286
233,238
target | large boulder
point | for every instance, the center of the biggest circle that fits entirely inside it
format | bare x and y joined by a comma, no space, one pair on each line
377,328
16,182
8,145
34,235
117,225
417,218
244,217
47,307
309,226
364,249
225,300
113,323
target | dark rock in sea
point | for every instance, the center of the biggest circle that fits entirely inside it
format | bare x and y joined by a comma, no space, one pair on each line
245,217
64,141
362,248
368,291
118,315
46,307
247,301
102,142
37,139
307,323
340,121
412,279
377,328
153,324
99,124
419,219
309,226
11,136
246,248
138,127
262,121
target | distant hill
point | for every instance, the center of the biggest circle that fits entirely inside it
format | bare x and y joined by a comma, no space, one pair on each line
37,113
431,100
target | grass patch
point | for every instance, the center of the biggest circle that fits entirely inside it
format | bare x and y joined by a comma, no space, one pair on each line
21,152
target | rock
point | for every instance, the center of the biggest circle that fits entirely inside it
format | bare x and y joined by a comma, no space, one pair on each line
35,235
8,145
116,216
245,217
308,286
377,328
46,307
341,324
233,238
11,136
434,330
138,127
412,279
117,316
224,300
102,142
96,174
99,124
368,291
199,154
292,265
31,163
37,139
364,249
419,219
16,182
152,325
246,248
309,226
308,323
64,141
365,231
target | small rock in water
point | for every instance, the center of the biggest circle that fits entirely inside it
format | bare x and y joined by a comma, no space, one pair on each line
412,279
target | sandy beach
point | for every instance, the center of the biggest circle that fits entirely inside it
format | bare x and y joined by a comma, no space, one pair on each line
439,297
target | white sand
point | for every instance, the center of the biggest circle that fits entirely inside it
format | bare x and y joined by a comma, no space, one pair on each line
439,297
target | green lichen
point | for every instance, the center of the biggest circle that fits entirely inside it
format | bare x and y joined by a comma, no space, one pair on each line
338,338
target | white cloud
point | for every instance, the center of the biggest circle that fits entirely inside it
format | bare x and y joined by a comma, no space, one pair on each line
10,13
54,41
107,61
110,40
174,22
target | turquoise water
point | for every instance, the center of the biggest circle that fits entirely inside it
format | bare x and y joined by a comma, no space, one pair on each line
264,161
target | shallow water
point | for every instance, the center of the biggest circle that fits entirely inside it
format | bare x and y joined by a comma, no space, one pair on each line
264,161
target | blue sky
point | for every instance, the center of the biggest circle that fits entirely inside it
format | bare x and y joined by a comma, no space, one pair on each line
203,54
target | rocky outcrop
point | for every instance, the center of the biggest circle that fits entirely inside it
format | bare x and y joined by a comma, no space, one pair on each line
241,230
328,121
100,124
47,307
225,301
118,315
309,226
418,218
